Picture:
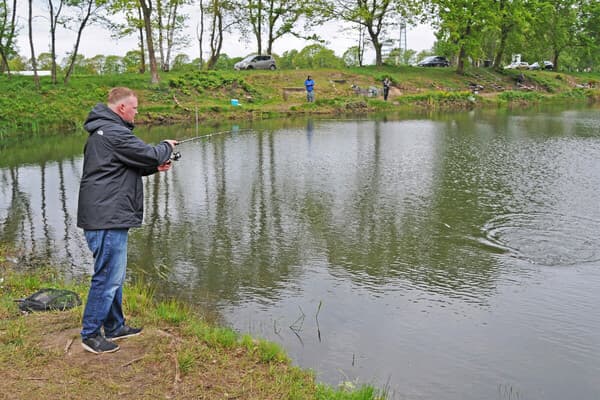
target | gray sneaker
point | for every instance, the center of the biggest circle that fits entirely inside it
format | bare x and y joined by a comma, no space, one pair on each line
98,345
123,332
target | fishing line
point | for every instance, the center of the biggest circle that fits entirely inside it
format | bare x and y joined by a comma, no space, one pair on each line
176,155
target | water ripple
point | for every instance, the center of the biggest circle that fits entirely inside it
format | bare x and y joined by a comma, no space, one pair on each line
550,239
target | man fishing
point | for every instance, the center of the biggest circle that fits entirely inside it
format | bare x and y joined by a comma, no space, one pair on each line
111,201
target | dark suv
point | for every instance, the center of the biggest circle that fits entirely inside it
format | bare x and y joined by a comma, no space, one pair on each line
434,61
256,62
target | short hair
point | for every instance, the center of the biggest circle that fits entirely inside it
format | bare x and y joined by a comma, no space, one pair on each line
119,93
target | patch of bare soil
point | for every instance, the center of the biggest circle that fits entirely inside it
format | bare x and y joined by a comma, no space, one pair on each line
55,366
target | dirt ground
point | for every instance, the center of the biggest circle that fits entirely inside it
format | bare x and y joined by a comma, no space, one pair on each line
53,365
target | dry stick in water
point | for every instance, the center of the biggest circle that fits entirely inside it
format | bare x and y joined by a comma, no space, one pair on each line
68,345
317,319
132,361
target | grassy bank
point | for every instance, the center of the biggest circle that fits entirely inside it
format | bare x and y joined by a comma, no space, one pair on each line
185,96
179,355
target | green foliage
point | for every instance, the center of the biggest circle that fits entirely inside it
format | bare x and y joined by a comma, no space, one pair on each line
266,351
215,336
577,94
347,391
225,63
203,81
515,96
171,312
315,56
186,360
438,97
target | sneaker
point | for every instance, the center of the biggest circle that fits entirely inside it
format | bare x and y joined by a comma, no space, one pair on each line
123,332
98,345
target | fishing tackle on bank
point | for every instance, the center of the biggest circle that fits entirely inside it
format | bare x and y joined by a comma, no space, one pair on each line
176,155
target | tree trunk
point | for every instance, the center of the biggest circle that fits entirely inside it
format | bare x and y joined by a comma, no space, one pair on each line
216,39
161,28
4,48
257,25
171,27
147,12
200,33
462,54
376,45
77,41
53,24
36,78
501,47
143,52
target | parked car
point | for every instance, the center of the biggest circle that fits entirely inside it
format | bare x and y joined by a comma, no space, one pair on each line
434,61
256,62
547,65
518,65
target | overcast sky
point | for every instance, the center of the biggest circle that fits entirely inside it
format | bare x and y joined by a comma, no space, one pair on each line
96,40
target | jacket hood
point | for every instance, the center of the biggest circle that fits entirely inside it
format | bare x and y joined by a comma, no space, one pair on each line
100,115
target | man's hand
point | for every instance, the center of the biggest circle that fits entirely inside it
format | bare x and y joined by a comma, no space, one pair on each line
165,167
172,143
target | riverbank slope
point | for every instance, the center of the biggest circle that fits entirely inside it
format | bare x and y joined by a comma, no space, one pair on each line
179,355
207,95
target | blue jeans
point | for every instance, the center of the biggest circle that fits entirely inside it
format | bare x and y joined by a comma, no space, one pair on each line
310,96
103,307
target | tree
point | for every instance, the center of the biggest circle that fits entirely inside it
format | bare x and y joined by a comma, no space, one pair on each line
510,19
87,9
351,57
225,63
219,20
147,8
55,10
7,33
555,26
588,35
112,65
17,63
374,15
317,56
134,23
79,64
180,61
170,25
36,78
286,61
462,23
399,56
96,63
269,20
132,60
44,61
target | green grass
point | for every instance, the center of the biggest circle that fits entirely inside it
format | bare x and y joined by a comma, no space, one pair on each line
261,95
253,368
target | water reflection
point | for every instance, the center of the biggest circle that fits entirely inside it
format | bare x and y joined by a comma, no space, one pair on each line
426,240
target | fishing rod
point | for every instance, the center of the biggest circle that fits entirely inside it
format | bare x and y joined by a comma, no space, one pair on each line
176,155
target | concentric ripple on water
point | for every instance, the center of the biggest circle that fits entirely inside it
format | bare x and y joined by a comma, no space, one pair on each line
546,238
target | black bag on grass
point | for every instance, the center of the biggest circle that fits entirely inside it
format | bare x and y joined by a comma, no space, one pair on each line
49,299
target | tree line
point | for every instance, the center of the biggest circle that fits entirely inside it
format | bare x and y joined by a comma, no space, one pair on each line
566,32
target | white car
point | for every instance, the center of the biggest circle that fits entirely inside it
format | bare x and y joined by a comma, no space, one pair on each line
256,62
547,65
518,65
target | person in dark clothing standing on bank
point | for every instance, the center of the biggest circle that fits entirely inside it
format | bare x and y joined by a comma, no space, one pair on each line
386,88
309,84
111,201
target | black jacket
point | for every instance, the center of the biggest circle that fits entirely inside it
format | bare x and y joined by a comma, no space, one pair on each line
111,193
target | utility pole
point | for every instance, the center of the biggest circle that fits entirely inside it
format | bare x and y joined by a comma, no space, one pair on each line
402,46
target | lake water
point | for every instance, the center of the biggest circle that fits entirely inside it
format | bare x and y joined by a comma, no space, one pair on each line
441,256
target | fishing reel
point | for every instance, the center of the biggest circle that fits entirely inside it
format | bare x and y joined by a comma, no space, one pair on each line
175,156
